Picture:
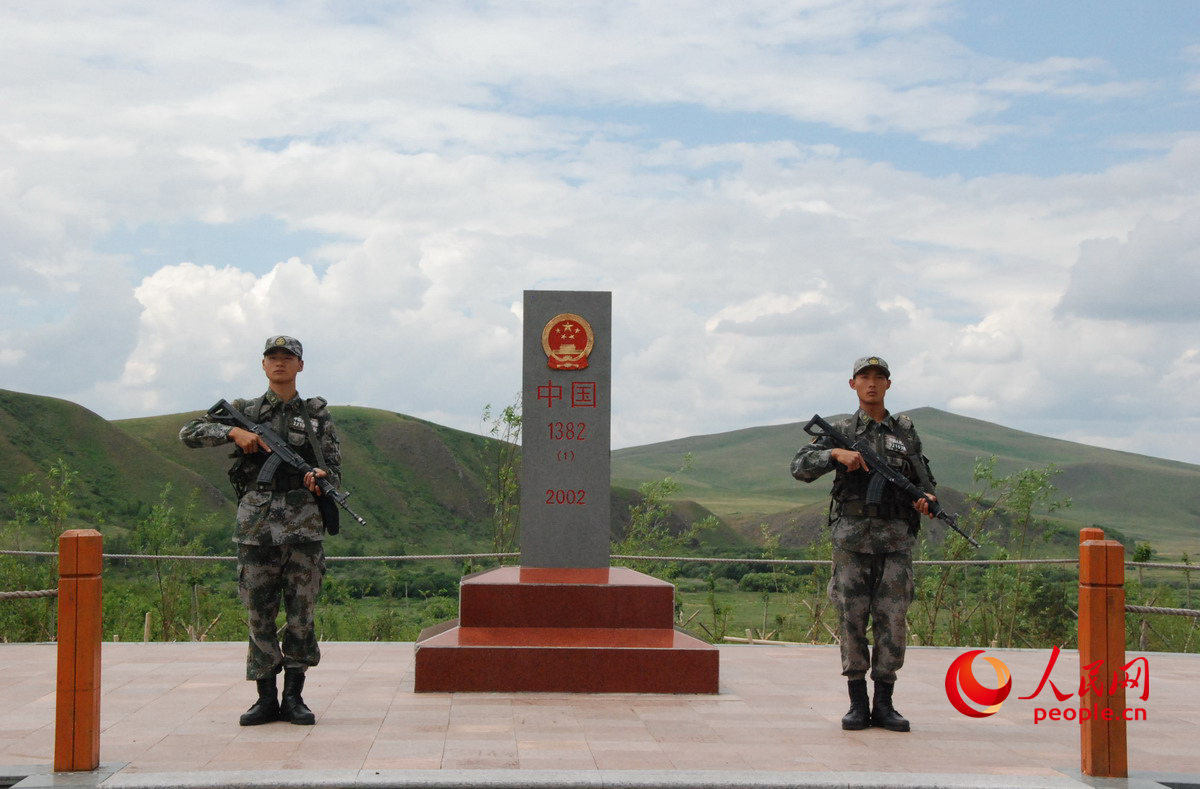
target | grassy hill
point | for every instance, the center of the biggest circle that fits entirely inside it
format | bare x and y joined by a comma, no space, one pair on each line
421,486
118,477
743,475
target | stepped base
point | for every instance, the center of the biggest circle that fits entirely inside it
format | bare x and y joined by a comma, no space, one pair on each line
564,631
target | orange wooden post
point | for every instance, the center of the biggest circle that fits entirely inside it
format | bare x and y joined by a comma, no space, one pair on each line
77,714
1103,746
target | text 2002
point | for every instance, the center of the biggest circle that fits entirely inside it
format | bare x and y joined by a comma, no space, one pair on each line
566,496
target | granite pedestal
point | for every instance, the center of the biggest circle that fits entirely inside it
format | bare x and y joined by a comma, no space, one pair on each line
607,630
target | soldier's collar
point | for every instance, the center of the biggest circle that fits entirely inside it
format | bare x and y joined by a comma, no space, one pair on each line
276,400
865,418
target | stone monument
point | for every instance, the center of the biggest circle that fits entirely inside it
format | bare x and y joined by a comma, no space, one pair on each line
565,620
565,406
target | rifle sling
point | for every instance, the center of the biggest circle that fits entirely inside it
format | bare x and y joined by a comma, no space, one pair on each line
312,440
918,462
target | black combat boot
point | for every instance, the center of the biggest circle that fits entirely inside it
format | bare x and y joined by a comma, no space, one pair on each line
293,709
266,709
884,714
859,716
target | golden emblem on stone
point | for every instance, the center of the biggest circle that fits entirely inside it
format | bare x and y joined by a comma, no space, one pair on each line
567,340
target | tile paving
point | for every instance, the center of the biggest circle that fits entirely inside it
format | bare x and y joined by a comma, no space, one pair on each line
169,714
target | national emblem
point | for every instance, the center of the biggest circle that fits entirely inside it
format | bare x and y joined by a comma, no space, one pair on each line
567,340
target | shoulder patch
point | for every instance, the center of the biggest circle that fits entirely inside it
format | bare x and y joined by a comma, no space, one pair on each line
905,422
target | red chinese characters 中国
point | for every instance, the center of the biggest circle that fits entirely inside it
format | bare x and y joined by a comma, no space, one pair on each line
550,392
583,394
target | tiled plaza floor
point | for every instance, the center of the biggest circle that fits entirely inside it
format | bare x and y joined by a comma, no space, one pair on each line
173,709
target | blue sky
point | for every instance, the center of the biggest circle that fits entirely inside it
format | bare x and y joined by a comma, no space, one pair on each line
1000,198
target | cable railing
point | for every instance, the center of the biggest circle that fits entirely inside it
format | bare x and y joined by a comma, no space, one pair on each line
28,595
620,557
1133,609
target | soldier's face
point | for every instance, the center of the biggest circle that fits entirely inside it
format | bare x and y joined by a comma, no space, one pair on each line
871,385
281,366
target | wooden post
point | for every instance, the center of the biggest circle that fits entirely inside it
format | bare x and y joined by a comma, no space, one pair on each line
77,713
1103,745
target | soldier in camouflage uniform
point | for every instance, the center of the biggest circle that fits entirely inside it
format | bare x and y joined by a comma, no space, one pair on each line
279,529
872,543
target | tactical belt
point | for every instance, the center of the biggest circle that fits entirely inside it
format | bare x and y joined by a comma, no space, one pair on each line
887,509
281,482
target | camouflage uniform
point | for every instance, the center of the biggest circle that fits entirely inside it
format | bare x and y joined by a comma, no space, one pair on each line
279,529
872,557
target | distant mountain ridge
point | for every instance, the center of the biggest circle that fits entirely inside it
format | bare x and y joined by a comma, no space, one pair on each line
422,486
743,475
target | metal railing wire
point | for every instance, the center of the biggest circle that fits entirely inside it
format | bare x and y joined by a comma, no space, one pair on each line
621,557
1149,609
1133,609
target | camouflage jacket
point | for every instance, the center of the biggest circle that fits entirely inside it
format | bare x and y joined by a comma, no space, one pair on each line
894,438
286,513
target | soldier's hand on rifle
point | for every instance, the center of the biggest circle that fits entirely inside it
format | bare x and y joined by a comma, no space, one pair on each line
310,480
852,460
247,442
921,505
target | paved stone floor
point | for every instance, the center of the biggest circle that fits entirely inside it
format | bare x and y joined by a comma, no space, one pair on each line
169,715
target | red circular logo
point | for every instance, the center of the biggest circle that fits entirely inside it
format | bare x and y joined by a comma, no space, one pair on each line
567,340
961,674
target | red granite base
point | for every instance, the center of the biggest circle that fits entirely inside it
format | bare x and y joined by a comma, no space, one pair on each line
564,630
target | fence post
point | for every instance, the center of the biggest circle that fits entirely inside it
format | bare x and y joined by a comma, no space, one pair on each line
1103,746
77,710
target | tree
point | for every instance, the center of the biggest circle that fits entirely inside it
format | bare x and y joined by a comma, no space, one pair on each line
162,533
1003,605
649,531
40,514
502,461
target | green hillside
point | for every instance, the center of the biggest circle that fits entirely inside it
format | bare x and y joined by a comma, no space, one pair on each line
419,485
743,475
119,476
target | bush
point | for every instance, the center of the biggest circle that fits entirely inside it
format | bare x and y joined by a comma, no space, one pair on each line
768,582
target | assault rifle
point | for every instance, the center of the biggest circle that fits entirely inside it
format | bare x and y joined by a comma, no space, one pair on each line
882,473
281,453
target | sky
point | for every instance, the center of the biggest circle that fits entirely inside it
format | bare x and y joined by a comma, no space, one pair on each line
1001,199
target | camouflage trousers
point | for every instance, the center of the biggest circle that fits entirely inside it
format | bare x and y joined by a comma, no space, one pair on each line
874,587
267,573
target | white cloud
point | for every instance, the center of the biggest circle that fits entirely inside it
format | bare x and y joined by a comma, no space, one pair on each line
1152,276
458,153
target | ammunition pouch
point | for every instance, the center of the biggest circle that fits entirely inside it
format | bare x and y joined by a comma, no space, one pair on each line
240,474
281,482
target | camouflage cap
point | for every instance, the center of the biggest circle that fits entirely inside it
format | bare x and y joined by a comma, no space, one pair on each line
871,361
281,342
